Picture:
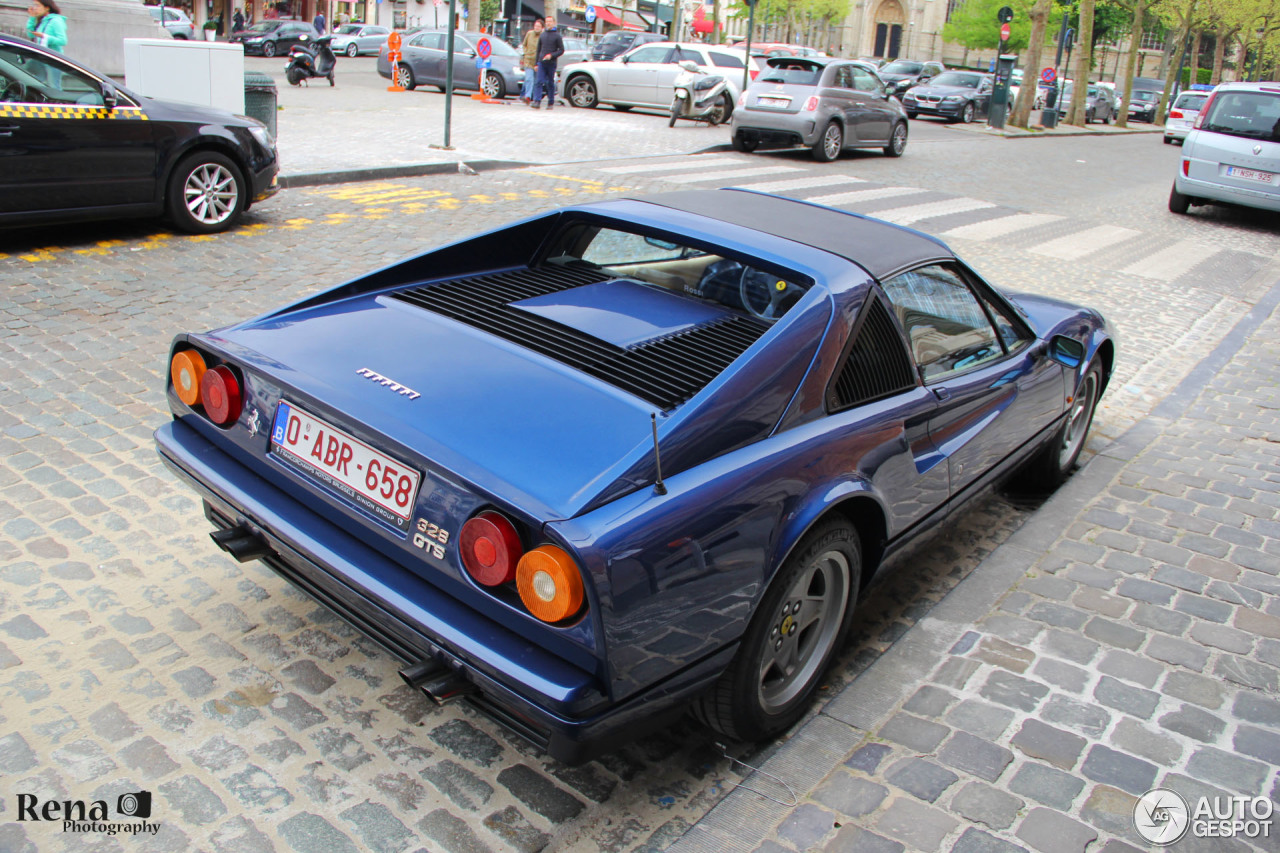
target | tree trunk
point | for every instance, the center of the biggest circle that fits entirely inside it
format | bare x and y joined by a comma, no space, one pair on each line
1220,38
1135,45
473,16
1084,65
1021,115
1194,63
1178,54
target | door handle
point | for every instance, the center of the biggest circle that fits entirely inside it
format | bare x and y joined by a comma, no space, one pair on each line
8,129
942,392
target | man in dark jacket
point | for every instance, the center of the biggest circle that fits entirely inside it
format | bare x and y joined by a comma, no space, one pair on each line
550,47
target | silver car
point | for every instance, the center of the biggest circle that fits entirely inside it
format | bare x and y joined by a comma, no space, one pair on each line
423,63
1183,114
645,76
355,39
826,104
175,21
1232,155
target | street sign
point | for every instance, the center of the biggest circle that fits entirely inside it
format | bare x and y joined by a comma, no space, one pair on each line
1005,29
590,15
1048,75
484,48
1005,15
483,63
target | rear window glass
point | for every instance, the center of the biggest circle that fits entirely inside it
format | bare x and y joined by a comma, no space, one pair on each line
1191,101
902,68
726,60
795,73
1254,115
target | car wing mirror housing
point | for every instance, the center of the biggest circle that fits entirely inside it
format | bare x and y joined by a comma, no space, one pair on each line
1066,351
109,96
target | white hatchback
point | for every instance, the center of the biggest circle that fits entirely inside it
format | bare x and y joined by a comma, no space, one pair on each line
1232,155
1182,115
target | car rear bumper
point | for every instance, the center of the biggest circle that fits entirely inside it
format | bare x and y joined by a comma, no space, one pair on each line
771,130
1198,189
548,701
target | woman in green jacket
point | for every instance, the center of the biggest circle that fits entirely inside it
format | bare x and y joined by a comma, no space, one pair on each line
46,25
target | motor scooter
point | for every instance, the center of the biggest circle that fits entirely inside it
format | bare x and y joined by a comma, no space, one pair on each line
306,63
699,96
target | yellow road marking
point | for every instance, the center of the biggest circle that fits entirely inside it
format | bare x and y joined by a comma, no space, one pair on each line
565,178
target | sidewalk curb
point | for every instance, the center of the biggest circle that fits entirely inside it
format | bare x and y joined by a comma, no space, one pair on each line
412,170
822,743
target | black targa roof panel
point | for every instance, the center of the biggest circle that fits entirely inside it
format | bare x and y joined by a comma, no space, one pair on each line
880,248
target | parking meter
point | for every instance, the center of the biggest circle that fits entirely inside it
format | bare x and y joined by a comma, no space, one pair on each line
1000,96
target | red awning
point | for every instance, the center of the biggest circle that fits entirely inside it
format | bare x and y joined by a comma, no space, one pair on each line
603,13
700,22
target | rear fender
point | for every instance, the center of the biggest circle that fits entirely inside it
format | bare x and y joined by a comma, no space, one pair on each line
854,500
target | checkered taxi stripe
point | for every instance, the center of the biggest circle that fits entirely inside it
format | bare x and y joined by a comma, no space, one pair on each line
70,111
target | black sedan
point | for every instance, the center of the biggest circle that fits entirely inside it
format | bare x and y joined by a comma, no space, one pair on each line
274,38
956,95
76,146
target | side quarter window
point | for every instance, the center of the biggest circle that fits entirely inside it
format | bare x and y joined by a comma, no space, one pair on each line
945,323
875,363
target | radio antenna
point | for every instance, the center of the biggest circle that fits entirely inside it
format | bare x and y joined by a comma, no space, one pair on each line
658,487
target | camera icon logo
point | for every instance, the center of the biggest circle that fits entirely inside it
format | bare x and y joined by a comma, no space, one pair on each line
137,804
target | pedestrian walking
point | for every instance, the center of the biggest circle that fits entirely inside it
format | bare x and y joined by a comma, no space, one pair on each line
529,60
318,22
47,25
550,48
237,21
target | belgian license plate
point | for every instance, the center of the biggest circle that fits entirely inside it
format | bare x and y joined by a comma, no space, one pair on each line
1251,175
372,480
773,102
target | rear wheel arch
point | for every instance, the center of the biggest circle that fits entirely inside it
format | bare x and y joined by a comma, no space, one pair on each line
861,510
1106,357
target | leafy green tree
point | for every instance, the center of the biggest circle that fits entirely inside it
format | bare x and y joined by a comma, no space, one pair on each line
975,26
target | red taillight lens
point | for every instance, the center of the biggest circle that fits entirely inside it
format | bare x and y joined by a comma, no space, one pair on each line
220,393
549,583
811,104
1175,113
1186,168
490,548
187,370
1204,111
742,99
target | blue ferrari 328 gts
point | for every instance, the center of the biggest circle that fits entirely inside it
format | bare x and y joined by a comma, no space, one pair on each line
627,458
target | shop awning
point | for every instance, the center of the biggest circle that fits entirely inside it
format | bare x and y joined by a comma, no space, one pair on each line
608,16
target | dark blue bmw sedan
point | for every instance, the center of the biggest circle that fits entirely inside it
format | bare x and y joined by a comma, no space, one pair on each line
621,460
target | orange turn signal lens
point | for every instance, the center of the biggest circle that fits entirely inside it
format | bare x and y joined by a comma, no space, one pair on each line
549,583
186,370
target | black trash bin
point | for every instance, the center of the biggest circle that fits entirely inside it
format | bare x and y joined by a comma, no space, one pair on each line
260,99
1048,117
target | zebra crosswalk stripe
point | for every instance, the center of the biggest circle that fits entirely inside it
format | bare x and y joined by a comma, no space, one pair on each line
1081,243
803,183
917,212
721,175
1172,261
702,161
1003,226
854,196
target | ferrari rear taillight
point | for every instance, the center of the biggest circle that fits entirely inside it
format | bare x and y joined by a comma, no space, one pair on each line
186,370
220,394
549,583
490,548
811,105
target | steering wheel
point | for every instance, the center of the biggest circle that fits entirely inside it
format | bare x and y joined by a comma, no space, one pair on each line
13,90
766,296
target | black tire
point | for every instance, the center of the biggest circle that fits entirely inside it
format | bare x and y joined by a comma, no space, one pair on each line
268,49
1088,117
1178,203
442,89
580,91
1168,140
830,143
493,86
206,193
967,114
622,108
404,76
676,104
800,623
898,141
294,76
352,50
741,143
1047,469
721,112
912,114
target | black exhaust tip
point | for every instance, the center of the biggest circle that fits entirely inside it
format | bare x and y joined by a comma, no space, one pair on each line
420,672
448,687
241,543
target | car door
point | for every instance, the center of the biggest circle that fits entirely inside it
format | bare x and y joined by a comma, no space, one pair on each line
982,98
875,115
371,38
994,386
60,147
634,79
424,54
465,73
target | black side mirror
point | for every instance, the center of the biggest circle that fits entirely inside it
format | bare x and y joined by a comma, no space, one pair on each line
1066,351
109,96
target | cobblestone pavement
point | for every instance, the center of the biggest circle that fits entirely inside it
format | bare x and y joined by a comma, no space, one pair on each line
135,656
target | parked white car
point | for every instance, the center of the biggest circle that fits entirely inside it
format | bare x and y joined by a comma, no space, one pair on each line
645,76
1232,155
175,21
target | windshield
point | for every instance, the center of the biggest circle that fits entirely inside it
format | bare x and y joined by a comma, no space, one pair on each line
957,78
1253,115
902,67
612,40
1147,97
263,27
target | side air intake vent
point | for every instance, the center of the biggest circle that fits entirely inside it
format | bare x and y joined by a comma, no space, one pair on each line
877,364
665,372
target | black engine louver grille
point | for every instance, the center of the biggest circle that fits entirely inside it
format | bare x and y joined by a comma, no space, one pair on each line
877,365
665,372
